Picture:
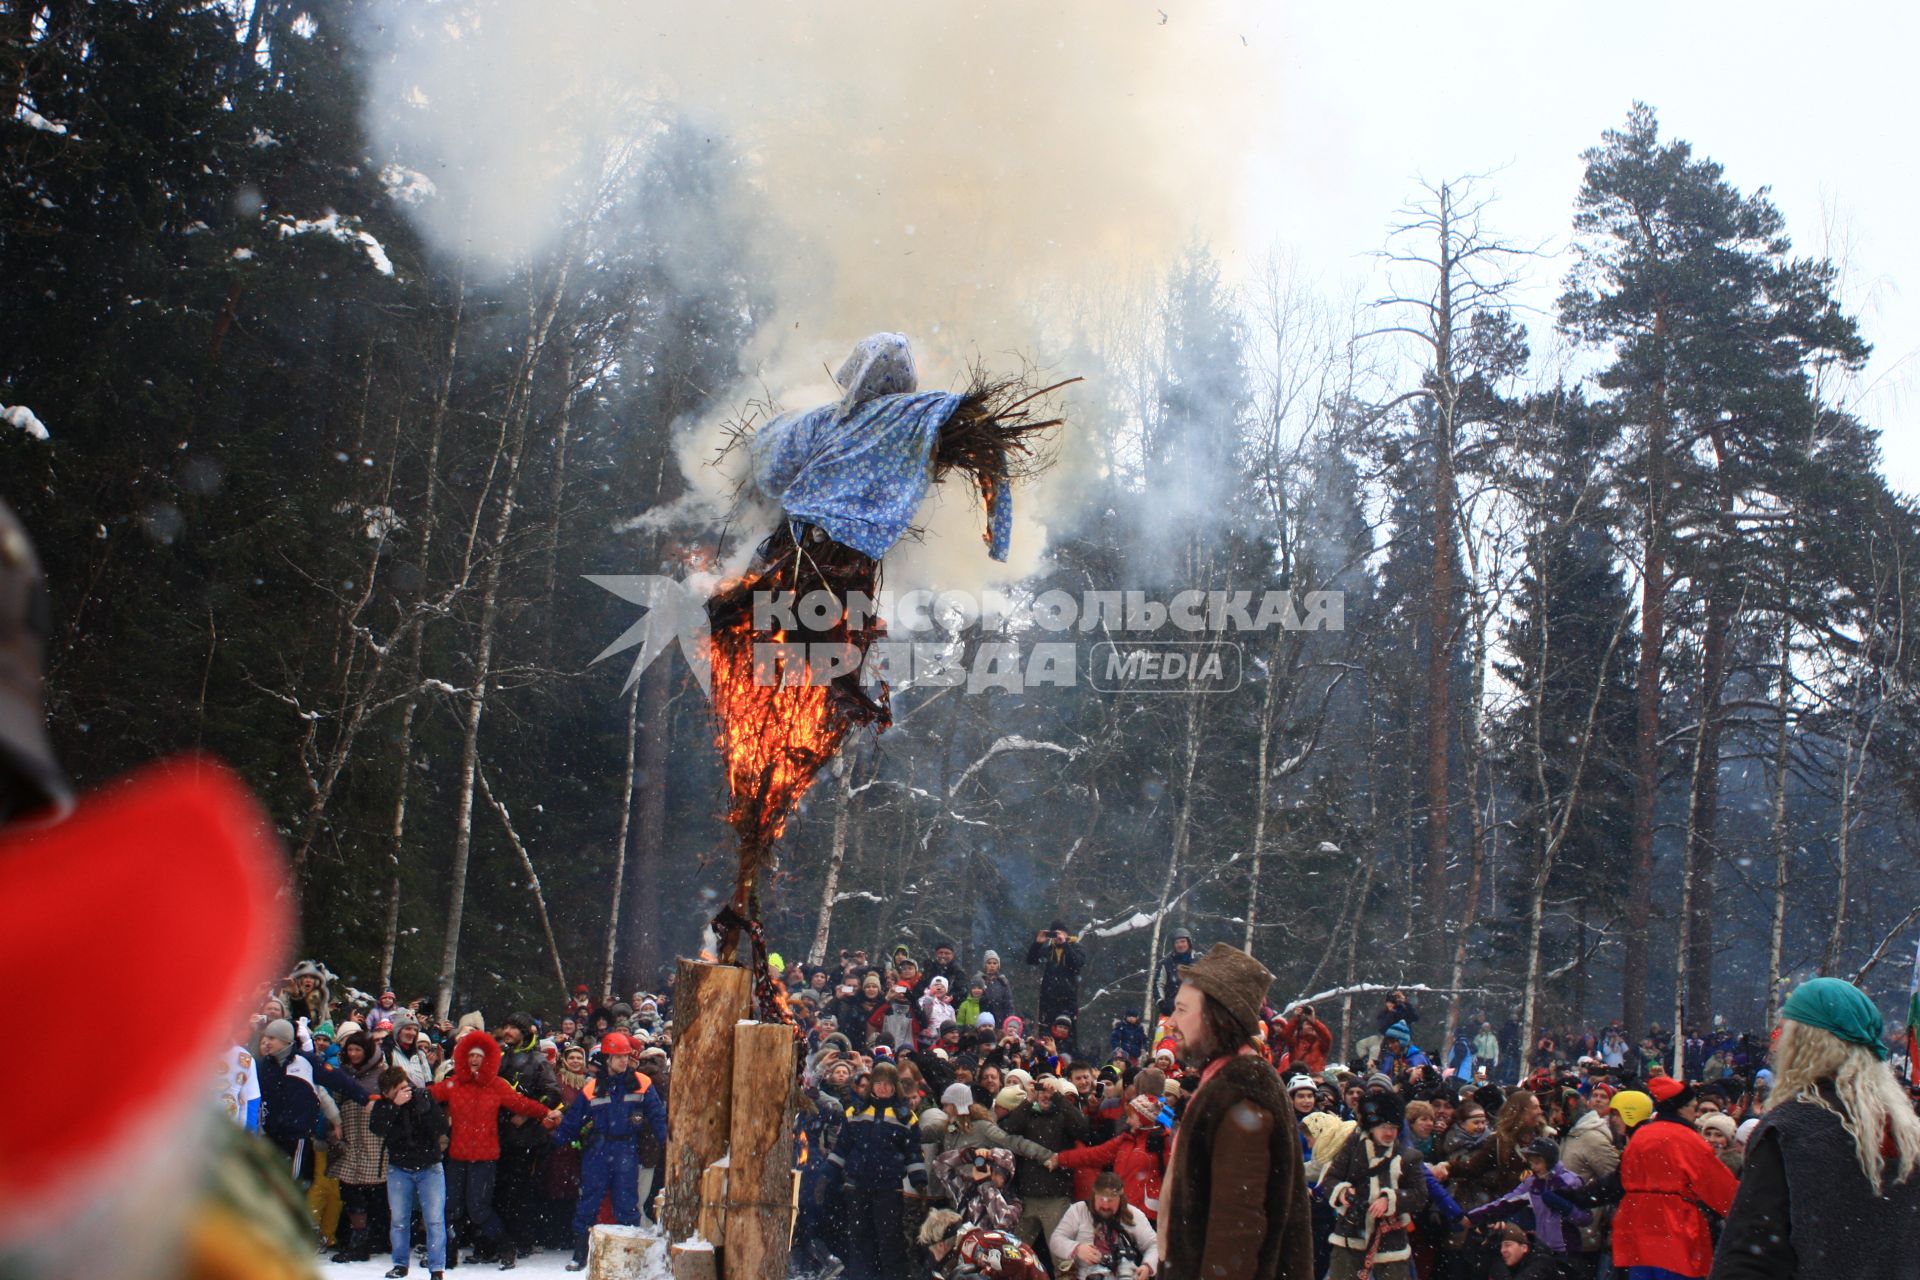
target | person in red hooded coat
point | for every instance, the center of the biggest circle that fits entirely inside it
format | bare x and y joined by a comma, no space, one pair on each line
473,1096
1137,1155
1667,1173
1305,1040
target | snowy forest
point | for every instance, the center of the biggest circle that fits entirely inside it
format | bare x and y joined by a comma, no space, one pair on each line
1619,724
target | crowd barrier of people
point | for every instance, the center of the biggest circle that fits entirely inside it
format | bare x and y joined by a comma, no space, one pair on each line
941,1132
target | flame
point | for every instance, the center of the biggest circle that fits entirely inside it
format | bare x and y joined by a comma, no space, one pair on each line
777,725
776,732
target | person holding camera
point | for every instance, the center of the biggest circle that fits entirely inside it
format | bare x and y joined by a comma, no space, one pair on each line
976,1183
1061,958
1104,1236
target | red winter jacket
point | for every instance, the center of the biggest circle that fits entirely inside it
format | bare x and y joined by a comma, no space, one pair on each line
1126,1155
1307,1040
474,1100
1667,1172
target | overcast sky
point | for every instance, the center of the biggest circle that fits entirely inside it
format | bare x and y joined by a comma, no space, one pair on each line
1816,102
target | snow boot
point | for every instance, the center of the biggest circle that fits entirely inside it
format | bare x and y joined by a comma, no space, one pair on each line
358,1248
507,1256
396,1273
579,1262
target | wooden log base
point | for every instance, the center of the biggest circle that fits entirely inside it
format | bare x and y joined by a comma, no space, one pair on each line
621,1253
694,1260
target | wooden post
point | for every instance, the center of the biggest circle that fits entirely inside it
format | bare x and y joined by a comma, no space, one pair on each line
760,1177
621,1253
714,1205
709,1000
694,1262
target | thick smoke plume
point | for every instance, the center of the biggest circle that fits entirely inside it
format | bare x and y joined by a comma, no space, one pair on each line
933,169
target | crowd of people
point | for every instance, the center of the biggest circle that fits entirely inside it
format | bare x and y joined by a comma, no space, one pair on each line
940,1132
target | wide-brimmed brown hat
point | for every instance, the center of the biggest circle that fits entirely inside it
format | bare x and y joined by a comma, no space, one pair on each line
1235,979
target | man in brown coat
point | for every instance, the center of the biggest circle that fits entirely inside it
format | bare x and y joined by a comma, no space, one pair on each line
1235,1201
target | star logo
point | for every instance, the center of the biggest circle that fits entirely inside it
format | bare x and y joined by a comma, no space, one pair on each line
674,612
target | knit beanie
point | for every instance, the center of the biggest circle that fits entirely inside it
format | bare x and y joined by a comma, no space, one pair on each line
1717,1122
278,1029
1147,1105
991,955
1010,1097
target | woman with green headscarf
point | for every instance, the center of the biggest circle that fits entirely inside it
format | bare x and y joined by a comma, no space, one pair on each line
1830,1187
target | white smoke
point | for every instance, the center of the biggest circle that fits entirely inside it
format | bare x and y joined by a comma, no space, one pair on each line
939,170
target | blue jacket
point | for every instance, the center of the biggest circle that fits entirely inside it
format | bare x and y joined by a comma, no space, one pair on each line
878,1147
1131,1037
615,1107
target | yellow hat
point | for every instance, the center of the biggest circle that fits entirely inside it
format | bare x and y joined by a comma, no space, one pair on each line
1633,1106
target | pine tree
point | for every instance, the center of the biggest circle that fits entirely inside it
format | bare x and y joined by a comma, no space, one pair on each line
1687,284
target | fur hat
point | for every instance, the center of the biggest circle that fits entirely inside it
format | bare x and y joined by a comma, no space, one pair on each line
1234,979
939,1225
1382,1108
957,1095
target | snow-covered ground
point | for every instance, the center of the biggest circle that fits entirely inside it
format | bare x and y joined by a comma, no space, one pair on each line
548,1262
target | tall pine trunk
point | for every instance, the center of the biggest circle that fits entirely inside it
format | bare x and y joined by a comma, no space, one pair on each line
1646,737
1782,849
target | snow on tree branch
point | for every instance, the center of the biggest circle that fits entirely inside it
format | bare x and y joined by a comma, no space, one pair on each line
24,418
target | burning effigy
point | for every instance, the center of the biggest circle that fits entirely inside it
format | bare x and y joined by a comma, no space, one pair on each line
849,477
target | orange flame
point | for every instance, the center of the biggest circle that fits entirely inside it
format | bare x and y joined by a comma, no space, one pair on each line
777,730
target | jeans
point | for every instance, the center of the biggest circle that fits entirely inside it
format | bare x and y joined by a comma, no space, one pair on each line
428,1189
470,1198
